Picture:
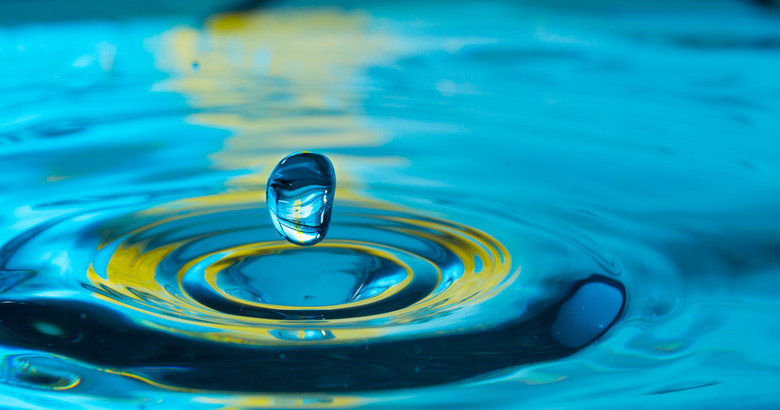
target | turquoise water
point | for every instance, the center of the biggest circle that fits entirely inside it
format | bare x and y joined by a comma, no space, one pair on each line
559,205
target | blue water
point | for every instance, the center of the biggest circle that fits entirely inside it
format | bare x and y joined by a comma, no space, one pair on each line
540,204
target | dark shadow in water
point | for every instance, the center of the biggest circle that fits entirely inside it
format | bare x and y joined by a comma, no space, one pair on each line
682,387
102,337
767,3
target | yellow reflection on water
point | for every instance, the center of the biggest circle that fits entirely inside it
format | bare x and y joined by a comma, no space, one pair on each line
131,274
280,80
269,248
287,401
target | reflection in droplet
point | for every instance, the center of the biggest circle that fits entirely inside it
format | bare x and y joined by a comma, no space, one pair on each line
300,197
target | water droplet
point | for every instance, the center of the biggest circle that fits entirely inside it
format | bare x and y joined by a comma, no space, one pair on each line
195,66
300,197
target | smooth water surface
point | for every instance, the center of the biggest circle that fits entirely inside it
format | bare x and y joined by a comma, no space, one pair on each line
540,205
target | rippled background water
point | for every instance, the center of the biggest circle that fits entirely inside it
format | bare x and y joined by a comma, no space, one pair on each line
501,165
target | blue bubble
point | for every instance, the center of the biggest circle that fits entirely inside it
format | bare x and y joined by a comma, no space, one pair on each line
588,313
300,197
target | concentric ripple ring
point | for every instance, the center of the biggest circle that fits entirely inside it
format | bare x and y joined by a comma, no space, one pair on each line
202,294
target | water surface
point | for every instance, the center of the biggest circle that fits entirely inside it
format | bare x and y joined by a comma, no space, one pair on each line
559,205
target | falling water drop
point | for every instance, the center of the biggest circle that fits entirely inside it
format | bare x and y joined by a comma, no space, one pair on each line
300,197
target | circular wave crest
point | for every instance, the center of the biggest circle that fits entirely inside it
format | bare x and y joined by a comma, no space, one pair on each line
203,294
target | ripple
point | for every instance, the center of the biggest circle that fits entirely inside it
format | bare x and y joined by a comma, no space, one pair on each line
38,372
202,294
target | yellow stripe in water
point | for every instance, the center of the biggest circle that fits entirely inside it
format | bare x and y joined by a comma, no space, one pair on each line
297,218
320,53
